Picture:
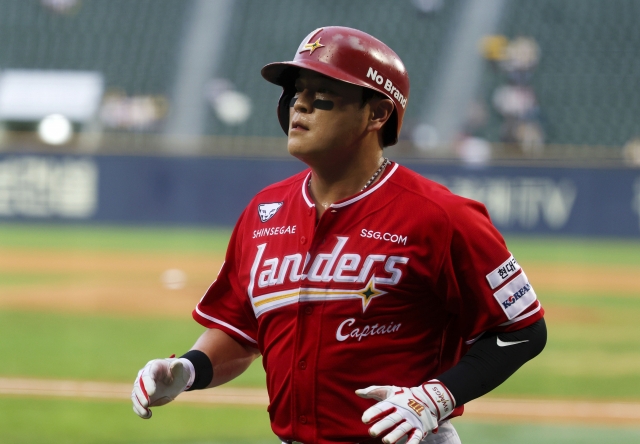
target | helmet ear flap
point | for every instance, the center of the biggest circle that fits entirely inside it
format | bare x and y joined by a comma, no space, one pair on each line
283,107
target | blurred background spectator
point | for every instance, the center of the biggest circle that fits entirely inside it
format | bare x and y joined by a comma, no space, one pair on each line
632,151
516,100
489,79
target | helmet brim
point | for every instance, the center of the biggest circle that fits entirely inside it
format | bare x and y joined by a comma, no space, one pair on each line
284,73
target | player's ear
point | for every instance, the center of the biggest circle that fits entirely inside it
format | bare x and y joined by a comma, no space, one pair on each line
379,112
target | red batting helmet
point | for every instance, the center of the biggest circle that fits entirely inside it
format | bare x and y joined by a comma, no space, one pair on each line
351,56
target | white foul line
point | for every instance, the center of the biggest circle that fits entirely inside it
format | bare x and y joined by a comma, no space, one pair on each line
522,409
109,390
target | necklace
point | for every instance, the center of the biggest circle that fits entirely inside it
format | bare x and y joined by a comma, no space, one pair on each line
385,162
379,171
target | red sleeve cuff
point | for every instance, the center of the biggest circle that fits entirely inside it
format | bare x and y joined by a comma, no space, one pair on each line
534,313
212,322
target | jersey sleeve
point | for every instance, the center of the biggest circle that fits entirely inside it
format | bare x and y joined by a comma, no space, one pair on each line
225,306
486,288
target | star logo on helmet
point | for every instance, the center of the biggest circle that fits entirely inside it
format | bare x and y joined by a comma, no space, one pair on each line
312,46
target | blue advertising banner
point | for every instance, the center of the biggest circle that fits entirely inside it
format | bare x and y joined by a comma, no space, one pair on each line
214,191
578,201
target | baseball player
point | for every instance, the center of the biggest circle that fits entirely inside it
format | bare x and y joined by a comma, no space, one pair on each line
380,302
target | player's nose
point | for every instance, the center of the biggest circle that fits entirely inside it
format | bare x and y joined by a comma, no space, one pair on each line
303,102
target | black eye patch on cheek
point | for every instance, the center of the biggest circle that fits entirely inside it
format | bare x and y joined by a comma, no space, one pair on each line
325,105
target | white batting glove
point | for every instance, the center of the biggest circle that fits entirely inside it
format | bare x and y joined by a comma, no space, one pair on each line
159,382
406,415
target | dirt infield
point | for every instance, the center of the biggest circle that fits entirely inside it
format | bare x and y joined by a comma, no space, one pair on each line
485,408
116,282
104,282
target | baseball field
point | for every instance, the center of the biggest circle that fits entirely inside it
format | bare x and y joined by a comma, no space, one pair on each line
83,308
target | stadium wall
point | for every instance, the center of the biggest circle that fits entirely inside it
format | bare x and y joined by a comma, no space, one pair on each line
214,191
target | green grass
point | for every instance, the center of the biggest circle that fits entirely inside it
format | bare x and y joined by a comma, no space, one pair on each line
57,421
597,345
472,432
72,346
109,238
67,421
575,250
18,279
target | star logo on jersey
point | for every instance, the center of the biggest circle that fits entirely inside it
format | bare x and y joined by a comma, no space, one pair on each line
369,292
312,46
267,210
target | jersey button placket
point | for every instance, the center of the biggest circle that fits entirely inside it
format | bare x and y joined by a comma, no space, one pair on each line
304,375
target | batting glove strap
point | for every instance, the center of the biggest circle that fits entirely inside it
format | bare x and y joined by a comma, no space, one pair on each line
188,365
434,394
201,369
401,413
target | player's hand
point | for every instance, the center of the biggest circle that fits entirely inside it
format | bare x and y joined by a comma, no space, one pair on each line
159,382
406,414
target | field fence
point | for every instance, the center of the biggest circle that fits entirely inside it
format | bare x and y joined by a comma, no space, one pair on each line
275,147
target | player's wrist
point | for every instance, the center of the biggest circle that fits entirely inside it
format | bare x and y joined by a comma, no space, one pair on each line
200,368
191,371
437,396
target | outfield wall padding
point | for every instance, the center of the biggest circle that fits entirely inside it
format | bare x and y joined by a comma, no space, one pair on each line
214,191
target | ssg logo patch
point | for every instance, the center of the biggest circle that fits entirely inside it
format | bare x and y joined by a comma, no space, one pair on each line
267,210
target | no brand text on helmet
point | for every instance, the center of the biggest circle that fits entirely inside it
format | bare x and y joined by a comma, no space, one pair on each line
388,85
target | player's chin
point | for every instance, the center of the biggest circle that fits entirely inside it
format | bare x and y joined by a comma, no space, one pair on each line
297,145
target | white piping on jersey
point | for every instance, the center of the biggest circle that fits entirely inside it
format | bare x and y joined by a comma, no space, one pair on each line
304,190
350,201
229,326
278,299
524,316
365,194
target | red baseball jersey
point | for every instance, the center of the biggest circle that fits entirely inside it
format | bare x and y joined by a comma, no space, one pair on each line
389,287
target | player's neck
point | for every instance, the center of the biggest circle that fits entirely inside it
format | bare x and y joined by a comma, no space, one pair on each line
339,180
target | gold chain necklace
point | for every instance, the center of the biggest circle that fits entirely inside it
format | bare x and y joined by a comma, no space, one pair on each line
379,171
